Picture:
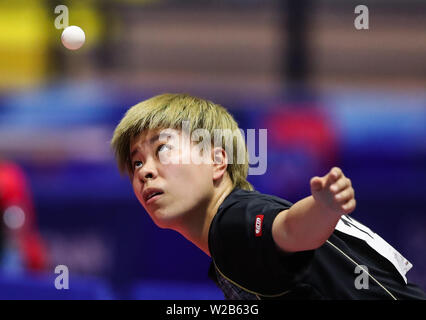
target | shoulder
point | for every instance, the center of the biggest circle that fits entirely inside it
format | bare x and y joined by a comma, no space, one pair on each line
246,214
241,243
245,200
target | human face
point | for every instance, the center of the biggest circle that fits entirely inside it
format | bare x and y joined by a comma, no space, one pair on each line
185,189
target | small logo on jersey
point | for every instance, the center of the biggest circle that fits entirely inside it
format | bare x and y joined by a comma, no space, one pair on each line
258,225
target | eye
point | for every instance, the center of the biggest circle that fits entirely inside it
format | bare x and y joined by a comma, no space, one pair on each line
137,164
164,147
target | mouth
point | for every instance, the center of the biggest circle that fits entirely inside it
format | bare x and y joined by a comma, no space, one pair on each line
152,194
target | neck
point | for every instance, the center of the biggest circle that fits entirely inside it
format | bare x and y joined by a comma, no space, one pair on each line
196,227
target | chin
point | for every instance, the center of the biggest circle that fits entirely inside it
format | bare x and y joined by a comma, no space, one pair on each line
164,220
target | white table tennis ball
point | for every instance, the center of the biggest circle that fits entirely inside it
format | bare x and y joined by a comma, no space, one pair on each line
73,37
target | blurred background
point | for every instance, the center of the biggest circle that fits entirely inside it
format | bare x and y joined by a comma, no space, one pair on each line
328,94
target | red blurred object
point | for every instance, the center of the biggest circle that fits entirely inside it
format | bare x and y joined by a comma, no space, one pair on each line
14,191
303,127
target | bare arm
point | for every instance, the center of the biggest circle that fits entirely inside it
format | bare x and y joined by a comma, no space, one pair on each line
311,221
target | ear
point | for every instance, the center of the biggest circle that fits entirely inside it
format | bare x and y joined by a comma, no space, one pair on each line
220,162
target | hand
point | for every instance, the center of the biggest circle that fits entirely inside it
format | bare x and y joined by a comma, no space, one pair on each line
334,192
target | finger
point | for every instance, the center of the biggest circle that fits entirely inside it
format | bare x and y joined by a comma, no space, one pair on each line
345,196
349,207
317,183
334,174
340,185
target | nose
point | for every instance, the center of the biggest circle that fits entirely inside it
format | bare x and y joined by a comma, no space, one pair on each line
148,171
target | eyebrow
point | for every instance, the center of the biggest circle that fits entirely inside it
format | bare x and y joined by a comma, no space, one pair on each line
151,141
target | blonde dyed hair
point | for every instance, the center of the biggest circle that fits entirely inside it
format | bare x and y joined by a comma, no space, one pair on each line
169,111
